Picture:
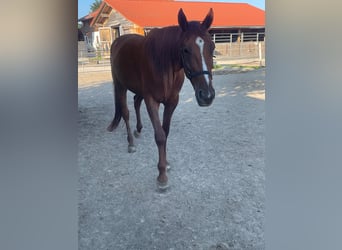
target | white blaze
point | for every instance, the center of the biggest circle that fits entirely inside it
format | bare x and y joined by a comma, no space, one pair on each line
200,43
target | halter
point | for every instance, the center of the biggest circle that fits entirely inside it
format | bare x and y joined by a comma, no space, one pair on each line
189,74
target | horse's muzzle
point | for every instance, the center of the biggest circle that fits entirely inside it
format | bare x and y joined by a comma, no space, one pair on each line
205,97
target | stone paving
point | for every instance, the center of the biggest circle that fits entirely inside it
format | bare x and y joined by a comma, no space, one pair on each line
216,198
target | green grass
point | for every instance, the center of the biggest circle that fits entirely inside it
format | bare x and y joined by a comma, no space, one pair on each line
222,66
244,66
218,66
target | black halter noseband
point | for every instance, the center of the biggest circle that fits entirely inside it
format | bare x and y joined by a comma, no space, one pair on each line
189,74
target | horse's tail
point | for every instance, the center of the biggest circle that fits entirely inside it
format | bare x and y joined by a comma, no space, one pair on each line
118,112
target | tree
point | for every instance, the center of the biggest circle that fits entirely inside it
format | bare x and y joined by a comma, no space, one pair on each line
95,5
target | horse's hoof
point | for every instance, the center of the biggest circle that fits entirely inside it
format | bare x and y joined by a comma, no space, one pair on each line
110,128
162,186
162,182
136,134
131,149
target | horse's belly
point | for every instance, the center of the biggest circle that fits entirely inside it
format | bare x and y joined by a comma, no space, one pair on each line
126,65
128,76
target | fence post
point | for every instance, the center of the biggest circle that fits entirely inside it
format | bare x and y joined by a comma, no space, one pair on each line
260,54
240,43
230,44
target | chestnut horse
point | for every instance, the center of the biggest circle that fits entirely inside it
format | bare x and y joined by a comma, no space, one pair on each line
153,68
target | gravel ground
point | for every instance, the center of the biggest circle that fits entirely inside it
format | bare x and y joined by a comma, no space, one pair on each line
216,198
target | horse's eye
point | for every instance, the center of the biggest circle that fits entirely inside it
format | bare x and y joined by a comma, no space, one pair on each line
213,50
186,51
213,53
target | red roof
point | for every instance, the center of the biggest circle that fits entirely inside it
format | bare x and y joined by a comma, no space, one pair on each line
164,13
90,15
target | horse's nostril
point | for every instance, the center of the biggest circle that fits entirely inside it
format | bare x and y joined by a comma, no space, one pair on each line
204,95
204,98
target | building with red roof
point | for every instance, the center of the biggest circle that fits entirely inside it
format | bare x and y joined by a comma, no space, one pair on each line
117,17
159,13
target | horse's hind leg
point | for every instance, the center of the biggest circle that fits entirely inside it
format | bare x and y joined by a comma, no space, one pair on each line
125,116
121,110
137,103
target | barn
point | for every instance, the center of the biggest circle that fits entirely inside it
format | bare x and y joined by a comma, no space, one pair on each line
234,23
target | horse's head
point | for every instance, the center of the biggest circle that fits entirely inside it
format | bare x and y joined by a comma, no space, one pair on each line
197,50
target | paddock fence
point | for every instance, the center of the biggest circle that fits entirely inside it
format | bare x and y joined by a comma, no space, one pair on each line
230,48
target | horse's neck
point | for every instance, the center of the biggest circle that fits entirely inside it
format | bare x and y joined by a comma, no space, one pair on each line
163,47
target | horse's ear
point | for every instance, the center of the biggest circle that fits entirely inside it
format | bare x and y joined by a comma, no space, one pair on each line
208,19
183,23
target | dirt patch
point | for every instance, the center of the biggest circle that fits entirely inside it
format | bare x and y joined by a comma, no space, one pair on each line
86,79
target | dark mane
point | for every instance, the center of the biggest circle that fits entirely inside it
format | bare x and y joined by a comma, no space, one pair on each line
163,46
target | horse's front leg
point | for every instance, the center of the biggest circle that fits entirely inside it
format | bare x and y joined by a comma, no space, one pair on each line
160,138
168,111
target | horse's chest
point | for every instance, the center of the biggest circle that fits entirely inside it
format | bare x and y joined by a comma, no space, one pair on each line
165,90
